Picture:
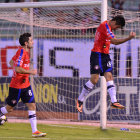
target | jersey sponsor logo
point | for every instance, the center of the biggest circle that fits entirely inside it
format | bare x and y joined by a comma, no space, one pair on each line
21,62
26,65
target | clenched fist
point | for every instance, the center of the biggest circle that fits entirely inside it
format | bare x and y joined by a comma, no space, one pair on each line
132,34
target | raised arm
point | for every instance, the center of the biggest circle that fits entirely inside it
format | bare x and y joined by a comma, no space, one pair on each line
120,41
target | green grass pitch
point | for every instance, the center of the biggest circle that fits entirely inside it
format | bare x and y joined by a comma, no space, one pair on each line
22,131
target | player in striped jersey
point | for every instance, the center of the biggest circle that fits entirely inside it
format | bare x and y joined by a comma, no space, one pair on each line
100,62
20,87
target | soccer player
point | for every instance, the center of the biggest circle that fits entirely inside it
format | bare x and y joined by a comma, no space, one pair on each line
100,62
20,87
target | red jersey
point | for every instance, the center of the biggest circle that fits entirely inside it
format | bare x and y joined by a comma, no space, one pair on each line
102,38
21,59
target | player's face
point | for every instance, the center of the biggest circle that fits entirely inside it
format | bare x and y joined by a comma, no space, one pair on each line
115,26
30,43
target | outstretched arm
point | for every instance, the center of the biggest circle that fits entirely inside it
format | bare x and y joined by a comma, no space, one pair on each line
120,41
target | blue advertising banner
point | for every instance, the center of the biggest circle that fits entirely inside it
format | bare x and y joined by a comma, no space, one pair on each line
60,94
51,94
128,94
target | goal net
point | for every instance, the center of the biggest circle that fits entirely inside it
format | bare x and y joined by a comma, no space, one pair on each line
63,38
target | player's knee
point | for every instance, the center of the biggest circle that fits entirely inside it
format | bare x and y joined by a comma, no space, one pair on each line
9,108
31,106
108,76
94,79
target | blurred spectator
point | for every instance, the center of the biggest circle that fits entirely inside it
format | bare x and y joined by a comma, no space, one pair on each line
96,15
91,20
96,18
74,17
77,17
85,22
60,17
30,0
22,1
25,11
19,0
117,4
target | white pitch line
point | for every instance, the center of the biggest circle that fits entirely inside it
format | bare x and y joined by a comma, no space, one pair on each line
130,131
67,126
84,128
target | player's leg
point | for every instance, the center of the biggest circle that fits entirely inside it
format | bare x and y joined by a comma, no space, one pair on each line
33,120
5,109
107,72
28,98
11,100
112,91
95,69
87,88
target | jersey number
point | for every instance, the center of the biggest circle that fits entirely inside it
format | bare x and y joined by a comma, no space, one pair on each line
30,93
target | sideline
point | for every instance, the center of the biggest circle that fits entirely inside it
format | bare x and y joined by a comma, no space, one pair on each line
86,123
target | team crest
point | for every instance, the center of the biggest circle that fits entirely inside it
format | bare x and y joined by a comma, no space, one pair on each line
96,67
14,101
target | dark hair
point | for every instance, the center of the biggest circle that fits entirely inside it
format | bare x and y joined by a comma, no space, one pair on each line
119,20
24,38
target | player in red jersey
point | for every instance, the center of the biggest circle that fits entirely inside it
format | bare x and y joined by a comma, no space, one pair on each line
100,62
20,87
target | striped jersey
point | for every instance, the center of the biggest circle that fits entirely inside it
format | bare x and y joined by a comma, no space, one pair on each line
21,59
102,38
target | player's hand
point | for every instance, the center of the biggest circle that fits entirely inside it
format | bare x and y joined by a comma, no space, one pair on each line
33,72
132,34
